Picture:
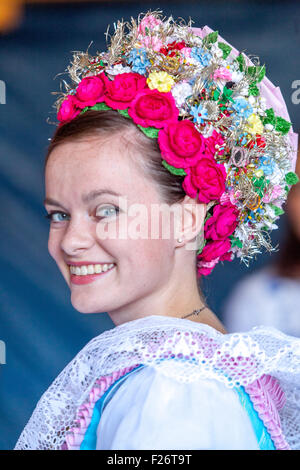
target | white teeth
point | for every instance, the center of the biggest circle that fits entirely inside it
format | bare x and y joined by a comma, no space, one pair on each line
90,269
98,268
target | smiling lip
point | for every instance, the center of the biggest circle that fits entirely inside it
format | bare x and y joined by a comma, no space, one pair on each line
86,263
75,279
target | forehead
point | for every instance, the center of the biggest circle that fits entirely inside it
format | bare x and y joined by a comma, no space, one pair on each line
92,162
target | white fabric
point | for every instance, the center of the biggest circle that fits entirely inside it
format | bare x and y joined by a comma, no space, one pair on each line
202,353
152,411
264,298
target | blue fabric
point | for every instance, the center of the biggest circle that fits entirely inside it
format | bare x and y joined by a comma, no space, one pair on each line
90,439
263,437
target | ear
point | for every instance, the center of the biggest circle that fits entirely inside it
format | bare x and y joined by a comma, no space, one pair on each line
190,221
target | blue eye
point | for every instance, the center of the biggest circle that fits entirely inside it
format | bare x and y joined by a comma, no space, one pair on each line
108,211
51,214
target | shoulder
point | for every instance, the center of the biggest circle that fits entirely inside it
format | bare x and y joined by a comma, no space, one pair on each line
153,411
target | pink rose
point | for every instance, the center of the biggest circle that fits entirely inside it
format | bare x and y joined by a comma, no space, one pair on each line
148,23
222,73
222,223
276,192
215,249
90,91
68,109
211,142
181,144
207,179
206,268
153,108
151,42
120,92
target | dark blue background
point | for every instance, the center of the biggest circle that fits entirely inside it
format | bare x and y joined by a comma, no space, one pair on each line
41,330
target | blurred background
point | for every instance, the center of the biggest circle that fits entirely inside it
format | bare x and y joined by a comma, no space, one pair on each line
41,330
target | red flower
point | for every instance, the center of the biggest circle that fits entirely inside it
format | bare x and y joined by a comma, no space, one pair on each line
222,223
120,92
181,144
170,49
90,91
258,140
207,178
215,249
211,142
68,110
153,108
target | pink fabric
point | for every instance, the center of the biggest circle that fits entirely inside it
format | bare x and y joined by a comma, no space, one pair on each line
267,398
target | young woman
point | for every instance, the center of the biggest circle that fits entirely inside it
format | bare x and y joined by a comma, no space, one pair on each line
154,175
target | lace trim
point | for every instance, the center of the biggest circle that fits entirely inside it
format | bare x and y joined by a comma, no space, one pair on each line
75,435
265,394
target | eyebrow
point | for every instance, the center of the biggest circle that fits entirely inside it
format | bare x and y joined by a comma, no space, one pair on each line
86,198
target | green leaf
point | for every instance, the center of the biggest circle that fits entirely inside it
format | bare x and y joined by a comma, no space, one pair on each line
256,72
227,92
277,210
235,242
199,251
173,170
270,118
97,107
225,49
124,112
211,38
261,73
208,216
291,178
149,131
253,89
216,95
241,61
282,125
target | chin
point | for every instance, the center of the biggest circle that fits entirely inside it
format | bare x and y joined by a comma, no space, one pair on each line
87,307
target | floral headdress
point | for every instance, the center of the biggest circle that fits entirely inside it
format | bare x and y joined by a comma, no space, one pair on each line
220,124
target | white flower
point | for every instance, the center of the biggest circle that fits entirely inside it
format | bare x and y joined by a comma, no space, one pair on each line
208,130
118,69
180,92
216,51
236,76
276,177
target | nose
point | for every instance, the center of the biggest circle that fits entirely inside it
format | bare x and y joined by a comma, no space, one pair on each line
78,236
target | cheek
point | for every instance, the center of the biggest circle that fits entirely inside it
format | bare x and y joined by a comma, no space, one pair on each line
54,241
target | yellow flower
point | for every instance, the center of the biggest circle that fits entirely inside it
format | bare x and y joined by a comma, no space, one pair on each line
162,81
254,125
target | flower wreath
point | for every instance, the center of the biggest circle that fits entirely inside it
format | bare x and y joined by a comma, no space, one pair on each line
203,101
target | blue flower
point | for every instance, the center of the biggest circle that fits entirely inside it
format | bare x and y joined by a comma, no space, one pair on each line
267,165
201,56
199,113
242,107
139,61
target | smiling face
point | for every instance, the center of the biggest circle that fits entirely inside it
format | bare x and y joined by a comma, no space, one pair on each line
142,266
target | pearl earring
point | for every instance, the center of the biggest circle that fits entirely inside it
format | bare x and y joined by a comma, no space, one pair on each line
180,240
